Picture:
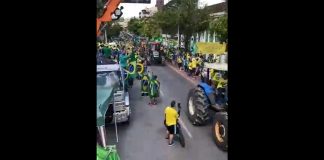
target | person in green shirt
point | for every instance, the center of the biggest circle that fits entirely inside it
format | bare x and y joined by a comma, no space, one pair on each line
154,90
123,60
106,52
132,57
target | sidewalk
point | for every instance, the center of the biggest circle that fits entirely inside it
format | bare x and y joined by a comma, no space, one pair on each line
183,73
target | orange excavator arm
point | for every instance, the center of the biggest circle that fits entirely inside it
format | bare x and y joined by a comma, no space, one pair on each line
106,17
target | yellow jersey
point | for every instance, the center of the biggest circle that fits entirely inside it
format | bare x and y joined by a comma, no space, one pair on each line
222,83
179,60
171,116
194,63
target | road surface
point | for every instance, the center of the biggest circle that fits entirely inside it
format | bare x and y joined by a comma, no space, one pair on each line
144,137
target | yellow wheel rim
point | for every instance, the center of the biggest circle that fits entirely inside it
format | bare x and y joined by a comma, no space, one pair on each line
219,136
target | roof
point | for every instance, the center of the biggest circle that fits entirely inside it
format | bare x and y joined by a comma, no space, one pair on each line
219,7
108,67
216,66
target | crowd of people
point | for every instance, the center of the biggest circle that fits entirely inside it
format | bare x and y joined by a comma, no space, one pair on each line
124,55
191,64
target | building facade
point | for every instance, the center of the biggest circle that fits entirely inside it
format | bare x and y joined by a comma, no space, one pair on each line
147,12
159,4
216,11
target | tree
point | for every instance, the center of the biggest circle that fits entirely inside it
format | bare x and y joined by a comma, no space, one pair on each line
100,7
167,20
134,26
219,26
150,28
113,29
186,14
144,27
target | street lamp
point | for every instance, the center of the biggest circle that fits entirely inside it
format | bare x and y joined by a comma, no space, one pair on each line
117,13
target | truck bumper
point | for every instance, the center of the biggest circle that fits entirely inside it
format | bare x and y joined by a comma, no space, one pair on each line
121,116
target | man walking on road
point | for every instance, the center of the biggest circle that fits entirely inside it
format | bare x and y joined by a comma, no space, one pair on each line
171,116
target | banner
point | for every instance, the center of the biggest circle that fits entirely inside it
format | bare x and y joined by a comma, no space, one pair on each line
211,48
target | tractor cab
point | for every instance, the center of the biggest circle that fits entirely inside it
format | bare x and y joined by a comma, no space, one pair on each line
156,53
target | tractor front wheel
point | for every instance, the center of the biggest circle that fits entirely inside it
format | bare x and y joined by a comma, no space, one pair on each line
197,103
220,132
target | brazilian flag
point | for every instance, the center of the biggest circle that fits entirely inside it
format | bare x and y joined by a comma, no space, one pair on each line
193,48
132,69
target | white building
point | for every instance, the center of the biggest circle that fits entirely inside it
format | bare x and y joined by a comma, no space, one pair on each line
148,12
123,22
217,10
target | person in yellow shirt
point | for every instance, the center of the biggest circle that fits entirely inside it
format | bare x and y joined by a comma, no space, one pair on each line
190,67
193,66
199,66
222,82
179,61
188,56
170,120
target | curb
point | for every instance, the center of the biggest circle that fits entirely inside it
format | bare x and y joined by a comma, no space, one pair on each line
182,73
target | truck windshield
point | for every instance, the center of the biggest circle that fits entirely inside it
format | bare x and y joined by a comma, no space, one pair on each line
107,79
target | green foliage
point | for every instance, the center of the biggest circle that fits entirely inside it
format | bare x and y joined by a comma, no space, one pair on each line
150,28
113,30
100,7
219,26
167,20
134,26
144,27
187,15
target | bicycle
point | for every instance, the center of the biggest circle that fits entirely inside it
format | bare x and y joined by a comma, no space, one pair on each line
178,132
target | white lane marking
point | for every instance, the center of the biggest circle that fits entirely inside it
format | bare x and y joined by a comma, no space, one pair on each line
161,92
185,128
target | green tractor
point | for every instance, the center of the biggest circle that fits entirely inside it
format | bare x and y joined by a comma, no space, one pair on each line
205,98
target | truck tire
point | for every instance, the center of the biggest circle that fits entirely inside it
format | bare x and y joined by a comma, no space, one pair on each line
197,103
181,139
109,114
219,130
128,120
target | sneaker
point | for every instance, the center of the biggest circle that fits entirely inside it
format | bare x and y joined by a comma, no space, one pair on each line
171,144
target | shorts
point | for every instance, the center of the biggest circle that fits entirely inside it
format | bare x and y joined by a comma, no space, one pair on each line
179,65
171,129
193,70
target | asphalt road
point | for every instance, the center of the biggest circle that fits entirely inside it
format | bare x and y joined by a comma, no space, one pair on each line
144,137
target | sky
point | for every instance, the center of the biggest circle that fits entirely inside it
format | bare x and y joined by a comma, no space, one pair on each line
131,9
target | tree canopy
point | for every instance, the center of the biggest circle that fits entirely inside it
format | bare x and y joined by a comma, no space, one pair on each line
219,26
113,29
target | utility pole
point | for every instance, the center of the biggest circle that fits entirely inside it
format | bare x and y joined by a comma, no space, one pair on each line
106,36
179,42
